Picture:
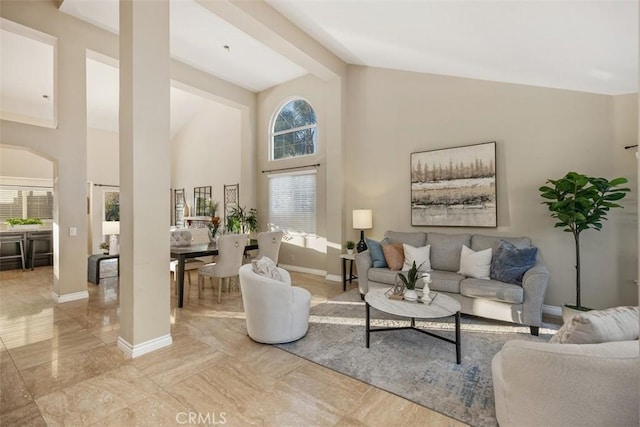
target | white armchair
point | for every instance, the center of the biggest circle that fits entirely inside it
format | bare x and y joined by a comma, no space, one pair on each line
276,312
542,384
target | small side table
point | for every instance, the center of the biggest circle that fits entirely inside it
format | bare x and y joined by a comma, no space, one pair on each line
345,258
101,266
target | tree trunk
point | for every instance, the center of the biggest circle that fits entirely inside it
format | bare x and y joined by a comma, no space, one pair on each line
577,239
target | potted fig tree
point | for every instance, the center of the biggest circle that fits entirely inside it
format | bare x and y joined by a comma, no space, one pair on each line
578,203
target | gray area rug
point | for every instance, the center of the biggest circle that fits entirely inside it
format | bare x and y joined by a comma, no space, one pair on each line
407,363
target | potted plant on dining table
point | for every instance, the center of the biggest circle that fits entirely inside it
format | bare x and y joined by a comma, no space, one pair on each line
242,220
214,228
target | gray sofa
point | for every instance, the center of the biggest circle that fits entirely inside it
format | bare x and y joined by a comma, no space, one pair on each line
485,298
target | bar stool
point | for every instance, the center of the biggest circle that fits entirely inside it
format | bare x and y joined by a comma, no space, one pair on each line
35,236
15,239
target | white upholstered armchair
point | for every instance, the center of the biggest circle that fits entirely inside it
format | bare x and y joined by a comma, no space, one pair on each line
276,312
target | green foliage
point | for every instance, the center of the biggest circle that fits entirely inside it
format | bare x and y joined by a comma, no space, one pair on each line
23,221
578,203
242,220
412,277
112,206
214,226
351,244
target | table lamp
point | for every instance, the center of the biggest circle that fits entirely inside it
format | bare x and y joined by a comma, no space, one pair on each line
362,220
112,229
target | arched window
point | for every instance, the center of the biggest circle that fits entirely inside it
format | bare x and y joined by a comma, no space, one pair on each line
294,131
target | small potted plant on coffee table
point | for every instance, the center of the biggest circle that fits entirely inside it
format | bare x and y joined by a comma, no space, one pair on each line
409,280
350,246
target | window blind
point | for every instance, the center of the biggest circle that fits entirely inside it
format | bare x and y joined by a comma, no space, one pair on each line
292,202
23,202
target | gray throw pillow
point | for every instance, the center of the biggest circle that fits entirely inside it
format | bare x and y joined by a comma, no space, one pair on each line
377,256
510,263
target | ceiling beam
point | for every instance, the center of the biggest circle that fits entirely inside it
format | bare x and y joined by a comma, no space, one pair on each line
262,22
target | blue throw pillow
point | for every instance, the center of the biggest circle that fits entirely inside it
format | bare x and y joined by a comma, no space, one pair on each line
377,256
509,263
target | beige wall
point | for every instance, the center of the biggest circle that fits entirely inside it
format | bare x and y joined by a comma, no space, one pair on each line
102,157
15,162
66,146
102,168
540,133
307,253
207,152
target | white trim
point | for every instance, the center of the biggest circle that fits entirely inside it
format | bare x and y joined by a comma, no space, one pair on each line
69,297
20,182
133,351
291,130
552,310
303,269
334,278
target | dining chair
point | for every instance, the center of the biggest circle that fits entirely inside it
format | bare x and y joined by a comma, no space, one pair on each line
183,237
189,266
230,254
269,245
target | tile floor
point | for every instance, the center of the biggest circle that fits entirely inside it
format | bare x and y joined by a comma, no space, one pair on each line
59,365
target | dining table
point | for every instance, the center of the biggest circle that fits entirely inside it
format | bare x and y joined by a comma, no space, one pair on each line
182,253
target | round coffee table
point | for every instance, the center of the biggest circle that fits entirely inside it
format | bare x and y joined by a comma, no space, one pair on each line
441,306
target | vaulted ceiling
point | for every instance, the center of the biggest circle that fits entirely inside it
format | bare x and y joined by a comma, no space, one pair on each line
587,46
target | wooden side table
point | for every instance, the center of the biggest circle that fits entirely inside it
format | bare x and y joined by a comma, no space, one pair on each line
351,258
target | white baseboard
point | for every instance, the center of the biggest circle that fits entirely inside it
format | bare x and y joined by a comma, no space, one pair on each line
334,277
69,297
303,269
133,351
552,310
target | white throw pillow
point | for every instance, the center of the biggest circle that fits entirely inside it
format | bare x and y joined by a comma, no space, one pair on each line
598,326
420,255
267,268
475,264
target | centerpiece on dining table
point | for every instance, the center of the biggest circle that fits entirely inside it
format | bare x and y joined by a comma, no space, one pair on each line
214,228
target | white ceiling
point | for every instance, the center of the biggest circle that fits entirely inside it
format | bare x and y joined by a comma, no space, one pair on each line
588,46
198,38
580,45
19,100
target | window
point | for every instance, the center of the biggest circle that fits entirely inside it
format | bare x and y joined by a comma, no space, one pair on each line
25,202
294,131
292,202
112,206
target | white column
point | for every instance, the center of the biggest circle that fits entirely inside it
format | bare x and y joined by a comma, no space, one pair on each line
145,173
70,174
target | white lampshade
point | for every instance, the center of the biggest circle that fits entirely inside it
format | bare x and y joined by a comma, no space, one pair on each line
362,219
110,227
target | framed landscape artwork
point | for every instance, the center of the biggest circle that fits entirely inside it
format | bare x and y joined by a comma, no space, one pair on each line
454,187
